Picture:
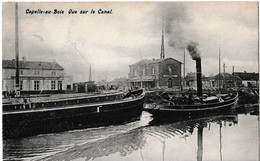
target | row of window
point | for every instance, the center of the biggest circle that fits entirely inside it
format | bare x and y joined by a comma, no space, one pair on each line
36,85
37,72
143,71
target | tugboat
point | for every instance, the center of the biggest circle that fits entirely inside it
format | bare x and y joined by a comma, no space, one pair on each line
188,110
190,107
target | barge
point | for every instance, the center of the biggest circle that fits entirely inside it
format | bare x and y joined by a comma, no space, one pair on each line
43,117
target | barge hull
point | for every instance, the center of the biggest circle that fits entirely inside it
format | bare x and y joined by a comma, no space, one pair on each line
30,123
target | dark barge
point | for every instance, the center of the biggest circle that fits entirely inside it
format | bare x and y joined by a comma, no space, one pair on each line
21,120
188,111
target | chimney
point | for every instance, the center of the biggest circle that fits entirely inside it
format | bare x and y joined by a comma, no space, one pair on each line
162,45
199,79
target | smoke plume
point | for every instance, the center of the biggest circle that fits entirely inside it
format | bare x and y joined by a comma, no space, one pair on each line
192,48
172,15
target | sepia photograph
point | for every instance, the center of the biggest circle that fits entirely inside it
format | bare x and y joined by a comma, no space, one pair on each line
131,81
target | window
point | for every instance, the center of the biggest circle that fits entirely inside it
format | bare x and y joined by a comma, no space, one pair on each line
36,72
21,72
153,71
213,84
53,73
21,85
144,72
170,70
53,85
68,87
36,85
135,73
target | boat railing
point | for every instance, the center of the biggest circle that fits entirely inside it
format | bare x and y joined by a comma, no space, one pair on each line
202,104
27,104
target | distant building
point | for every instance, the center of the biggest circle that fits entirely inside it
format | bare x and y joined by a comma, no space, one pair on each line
226,80
35,77
155,73
120,82
248,79
84,87
67,83
191,81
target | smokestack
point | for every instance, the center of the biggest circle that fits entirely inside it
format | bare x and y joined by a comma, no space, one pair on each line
199,79
195,55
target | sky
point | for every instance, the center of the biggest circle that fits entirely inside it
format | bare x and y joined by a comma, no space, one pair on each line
109,43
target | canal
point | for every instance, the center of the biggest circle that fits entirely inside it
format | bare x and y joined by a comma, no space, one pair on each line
232,136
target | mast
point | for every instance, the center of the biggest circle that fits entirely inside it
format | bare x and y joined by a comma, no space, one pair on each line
16,51
219,70
90,74
184,68
162,45
224,71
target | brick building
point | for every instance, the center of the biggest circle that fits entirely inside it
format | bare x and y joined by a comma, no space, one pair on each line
226,80
248,79
155,73
35,77
191,81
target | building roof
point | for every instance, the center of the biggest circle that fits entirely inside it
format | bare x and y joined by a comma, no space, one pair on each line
32,65
150,61
225,76
247,76
193,76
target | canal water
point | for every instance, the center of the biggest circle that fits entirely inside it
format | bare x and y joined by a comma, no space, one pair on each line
220,137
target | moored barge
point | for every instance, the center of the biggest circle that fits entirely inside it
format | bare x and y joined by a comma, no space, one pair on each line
72,113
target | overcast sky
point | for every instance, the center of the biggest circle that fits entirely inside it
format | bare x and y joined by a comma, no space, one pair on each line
111,42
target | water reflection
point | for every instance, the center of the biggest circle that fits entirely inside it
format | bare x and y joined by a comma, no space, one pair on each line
186,128
89,143
131,141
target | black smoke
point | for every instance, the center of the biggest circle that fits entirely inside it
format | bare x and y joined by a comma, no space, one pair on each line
193,51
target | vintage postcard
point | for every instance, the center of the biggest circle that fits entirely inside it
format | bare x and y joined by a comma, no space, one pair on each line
130,81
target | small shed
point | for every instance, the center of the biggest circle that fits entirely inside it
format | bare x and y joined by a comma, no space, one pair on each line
84,87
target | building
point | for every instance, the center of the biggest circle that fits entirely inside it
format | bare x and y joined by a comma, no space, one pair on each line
155,73
248,79
84,87
191,81
35,77
67,83
226,80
